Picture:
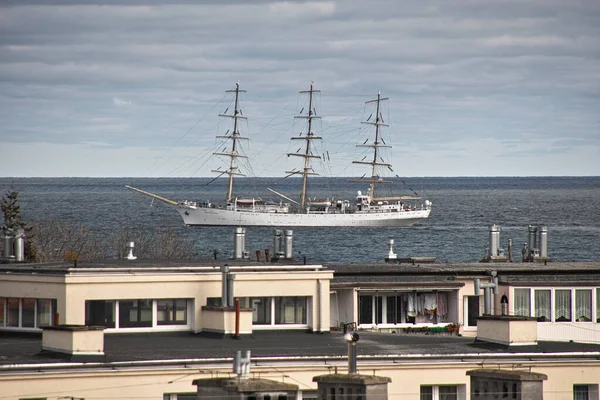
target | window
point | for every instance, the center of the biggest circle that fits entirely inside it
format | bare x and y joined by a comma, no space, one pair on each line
28,313
180,396
585,392
100,313
562,306
597,305
135,313
442,392
394,309
44,312
12,312
213,301
261,310
171,312
581,392
2,311
522,302
290,310
365,309
473,310
583,305
543,305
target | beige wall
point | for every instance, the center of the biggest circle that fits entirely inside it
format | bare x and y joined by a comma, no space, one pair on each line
74,341
74,290
223,321
406,378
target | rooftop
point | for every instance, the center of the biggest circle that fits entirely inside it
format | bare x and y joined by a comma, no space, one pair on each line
19,349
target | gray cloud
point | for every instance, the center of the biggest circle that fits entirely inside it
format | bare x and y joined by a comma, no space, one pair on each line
139,74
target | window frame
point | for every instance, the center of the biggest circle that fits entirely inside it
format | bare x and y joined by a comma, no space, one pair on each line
591,390
271,308
594,302
460,391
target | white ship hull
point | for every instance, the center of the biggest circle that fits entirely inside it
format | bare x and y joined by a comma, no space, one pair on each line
203,216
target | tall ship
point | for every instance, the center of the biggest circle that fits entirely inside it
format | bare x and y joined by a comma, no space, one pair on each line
367,210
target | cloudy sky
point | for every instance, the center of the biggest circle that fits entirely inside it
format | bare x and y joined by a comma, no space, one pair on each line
133,88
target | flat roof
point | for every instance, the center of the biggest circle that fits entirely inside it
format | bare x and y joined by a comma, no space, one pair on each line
150,266
22,349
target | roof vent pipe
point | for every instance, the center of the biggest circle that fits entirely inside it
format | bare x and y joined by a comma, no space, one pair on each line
241,364
277,250
19,245
391,254
224,285
543,241
130,255
352,338
531,242
289,238
7,241
239,243
488,289
494,249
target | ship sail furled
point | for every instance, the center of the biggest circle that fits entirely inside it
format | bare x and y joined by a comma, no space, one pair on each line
234,137
377,160
308,138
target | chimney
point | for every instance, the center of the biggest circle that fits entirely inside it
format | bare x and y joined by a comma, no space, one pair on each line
353,385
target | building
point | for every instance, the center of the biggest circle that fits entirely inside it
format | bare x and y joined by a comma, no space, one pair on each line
158,326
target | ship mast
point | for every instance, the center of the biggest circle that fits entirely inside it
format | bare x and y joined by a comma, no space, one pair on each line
308,138
376,145
235,136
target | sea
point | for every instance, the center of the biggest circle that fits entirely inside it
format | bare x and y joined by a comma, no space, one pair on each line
457,230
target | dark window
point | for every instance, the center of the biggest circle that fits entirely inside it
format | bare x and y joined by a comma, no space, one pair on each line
394,309
28,313
379,309
581,392
12,311
472,310
261,310
448,393
213,301
365,309
2,315
135,313
100,313
426,392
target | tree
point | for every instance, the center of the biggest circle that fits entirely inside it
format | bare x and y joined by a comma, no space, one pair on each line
12,210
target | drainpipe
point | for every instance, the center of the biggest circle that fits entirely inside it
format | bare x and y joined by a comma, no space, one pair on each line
319,301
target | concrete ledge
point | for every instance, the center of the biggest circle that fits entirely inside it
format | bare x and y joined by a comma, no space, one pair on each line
74,339
507,330
354,379
510,375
